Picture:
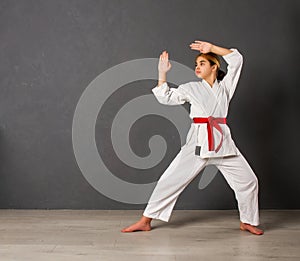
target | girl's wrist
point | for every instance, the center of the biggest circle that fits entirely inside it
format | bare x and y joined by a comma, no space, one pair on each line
162,76
212,49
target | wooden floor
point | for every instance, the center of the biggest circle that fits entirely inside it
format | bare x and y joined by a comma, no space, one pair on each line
190,235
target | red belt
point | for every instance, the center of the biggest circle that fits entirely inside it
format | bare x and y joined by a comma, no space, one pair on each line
212,123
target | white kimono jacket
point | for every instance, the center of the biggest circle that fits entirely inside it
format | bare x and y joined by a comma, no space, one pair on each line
207,101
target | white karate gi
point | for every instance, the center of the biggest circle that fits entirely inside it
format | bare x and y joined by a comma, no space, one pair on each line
206,101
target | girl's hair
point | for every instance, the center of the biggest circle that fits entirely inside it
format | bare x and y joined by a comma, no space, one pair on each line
213,59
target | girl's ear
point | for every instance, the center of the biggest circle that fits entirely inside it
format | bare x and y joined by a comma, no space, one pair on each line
215,67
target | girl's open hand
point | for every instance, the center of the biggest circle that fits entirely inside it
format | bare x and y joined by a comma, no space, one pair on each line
203,47
164,64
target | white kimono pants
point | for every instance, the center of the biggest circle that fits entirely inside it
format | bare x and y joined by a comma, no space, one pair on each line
186,166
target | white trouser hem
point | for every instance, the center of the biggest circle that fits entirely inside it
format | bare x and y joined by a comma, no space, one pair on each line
249,222
153,216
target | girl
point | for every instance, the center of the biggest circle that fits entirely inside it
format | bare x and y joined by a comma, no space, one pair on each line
208,141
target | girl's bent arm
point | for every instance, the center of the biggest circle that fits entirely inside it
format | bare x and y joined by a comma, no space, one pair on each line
206,47
164,94
234,68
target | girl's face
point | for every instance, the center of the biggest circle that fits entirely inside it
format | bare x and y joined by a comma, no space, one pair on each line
203,69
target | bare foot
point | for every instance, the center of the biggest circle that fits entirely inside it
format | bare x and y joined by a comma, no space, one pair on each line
144,224
252,229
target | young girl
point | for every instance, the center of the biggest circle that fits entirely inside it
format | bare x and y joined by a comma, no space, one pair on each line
208,141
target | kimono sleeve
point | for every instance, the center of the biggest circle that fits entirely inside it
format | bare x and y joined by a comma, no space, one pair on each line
170,96
234,68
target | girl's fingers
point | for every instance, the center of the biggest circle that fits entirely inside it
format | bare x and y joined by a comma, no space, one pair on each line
196,42
165,55
196,48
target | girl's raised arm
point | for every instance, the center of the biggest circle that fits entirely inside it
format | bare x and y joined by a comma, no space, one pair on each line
206,47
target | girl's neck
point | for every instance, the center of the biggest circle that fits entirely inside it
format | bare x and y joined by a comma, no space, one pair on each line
210,80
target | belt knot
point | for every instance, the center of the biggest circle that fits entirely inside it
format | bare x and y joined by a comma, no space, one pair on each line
212,122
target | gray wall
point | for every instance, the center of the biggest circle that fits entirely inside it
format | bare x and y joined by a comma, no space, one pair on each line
50,51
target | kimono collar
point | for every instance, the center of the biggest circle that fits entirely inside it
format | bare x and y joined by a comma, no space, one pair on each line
216,83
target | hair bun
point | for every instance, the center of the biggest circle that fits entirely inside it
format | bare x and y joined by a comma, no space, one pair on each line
221,75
